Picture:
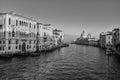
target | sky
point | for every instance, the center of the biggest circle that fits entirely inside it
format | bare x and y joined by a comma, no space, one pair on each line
71,16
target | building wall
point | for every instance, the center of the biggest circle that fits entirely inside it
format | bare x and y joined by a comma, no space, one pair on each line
116,38
58,36
22,34
19,30
106,39
45,35
40,36
48,36
102,40
93,41
2,33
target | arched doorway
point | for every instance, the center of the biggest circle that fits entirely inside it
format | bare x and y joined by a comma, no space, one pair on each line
23,47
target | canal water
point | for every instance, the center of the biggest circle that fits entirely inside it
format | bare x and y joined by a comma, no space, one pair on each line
76,62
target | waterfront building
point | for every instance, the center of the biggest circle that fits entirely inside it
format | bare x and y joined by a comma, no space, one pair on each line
83,35
93,41
89,36
58,36
40,35
86,40
105,39
116,38
102,39
45,36
83,39
18,33
47,33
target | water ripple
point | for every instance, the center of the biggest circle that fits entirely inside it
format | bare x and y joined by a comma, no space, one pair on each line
71,63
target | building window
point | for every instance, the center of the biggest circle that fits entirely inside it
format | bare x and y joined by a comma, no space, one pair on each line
45,40
4,21
25,23
16,22
9,48
16,47
9,33
0,48
34,26
19,22
40,47
30,46
22,23
0,42
16,41
27,46
13,33
9,21
9,41
60,36
3,48
3,42
19,47
30,25
29,42
1,26
34,35
31,35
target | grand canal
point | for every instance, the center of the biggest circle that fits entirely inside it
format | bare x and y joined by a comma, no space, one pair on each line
76,62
